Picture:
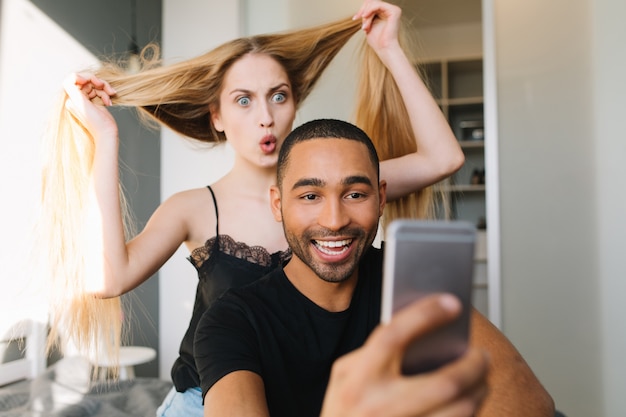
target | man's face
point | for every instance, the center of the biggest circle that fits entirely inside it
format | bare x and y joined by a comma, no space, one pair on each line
330,203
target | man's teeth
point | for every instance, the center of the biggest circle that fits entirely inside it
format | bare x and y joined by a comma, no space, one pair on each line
325,245
334,243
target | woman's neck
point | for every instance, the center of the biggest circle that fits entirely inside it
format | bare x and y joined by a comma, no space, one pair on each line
244,183
255,181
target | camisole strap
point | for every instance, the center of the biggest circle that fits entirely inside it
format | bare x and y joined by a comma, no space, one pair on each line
217,217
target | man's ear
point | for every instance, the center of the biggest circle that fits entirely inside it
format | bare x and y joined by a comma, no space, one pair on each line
382,195
216,120
275,203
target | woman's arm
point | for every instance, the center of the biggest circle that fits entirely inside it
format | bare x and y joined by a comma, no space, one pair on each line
124,266
438,152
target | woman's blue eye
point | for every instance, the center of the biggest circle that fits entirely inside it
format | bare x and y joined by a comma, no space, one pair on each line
279,98
243,101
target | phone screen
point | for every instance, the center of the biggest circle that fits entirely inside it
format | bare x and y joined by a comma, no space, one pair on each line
422,258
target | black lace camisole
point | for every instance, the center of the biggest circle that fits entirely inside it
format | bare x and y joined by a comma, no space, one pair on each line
222,263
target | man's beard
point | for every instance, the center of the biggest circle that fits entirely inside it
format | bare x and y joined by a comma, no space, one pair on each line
335,272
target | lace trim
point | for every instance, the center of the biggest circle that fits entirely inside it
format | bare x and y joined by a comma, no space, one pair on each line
253,254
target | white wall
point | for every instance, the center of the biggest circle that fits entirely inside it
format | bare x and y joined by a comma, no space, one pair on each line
560,69
452,41
549,257
609,87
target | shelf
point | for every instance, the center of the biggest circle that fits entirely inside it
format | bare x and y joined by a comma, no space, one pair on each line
472,144
465,78
463,101
457,86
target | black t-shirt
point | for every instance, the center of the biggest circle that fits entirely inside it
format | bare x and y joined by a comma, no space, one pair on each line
270,328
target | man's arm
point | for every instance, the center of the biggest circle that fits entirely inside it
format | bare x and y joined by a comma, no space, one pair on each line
227,358
514,390
239,393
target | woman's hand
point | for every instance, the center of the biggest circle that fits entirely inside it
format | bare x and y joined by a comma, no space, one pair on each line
381,22
86,92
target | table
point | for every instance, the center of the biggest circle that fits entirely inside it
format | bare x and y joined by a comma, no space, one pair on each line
129,357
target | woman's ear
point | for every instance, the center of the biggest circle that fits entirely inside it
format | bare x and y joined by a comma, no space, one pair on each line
216,120
275,203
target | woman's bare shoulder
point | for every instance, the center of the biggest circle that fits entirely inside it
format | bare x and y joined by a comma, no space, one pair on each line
189,197
192,210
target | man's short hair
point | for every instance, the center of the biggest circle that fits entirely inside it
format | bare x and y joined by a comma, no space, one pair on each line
323,129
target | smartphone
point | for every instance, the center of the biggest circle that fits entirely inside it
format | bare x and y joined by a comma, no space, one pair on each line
426,257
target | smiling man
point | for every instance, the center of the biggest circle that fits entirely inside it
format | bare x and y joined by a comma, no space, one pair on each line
268,348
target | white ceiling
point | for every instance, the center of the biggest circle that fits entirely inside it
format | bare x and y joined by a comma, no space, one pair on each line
441,12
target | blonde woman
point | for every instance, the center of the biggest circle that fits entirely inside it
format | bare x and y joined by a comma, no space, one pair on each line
245,92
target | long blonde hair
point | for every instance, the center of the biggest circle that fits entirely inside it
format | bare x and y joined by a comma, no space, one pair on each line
181,96
381,113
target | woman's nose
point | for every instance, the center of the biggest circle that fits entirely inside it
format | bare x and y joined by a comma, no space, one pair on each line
266,118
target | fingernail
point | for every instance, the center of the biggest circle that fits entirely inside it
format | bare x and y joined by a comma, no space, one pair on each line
450,302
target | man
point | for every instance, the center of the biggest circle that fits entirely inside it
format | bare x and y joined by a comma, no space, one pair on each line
267,349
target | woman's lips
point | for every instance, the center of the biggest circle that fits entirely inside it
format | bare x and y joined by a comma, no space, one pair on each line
268,144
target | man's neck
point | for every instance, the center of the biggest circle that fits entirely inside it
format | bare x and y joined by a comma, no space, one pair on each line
331,296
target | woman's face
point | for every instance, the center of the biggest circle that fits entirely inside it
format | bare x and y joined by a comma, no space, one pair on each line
256,110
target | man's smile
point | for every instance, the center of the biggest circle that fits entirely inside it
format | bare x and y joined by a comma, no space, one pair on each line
332,247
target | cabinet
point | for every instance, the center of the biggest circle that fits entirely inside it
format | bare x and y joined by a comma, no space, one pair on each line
457,85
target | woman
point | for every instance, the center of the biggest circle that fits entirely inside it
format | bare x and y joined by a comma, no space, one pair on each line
247,92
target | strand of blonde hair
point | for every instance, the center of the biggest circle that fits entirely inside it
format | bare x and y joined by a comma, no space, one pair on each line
381,113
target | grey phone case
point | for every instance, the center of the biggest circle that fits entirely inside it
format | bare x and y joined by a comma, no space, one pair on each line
425,257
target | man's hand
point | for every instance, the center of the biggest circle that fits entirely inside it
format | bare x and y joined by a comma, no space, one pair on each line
369,382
